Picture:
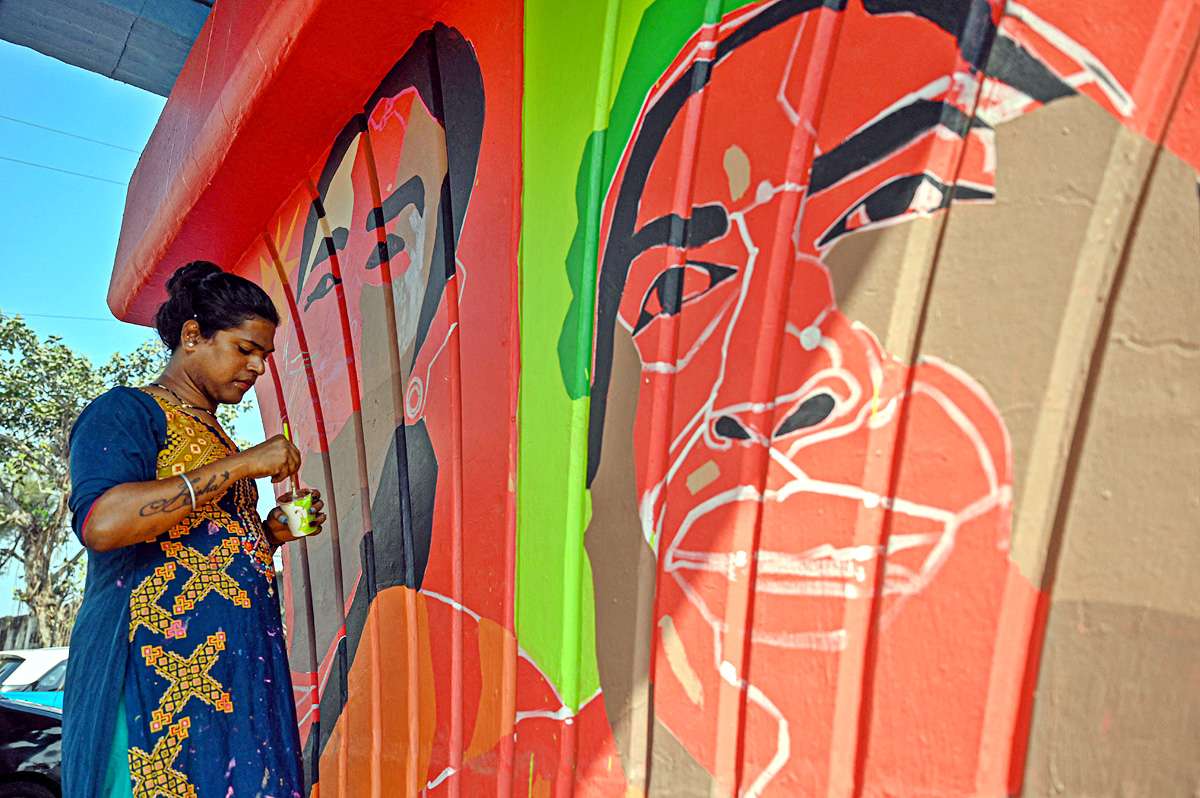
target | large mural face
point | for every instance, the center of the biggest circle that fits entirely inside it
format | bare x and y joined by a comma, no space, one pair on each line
799,489
781,413
835,416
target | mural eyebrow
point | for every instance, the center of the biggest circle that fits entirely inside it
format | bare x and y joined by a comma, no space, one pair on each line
411,193
332,246
708,223
884,136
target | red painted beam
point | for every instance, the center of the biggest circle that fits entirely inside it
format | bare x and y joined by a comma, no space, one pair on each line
267,86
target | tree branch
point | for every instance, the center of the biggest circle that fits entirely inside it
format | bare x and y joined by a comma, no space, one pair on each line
10,555
66,567
27,450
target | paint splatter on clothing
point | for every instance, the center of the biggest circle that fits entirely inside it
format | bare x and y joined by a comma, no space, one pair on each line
208,695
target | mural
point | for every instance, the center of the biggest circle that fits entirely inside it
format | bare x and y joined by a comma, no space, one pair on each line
711,398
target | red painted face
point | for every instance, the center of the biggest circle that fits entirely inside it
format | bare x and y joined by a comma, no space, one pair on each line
712,323
766,419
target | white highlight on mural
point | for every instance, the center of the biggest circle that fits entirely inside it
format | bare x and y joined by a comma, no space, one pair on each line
408,295
415,399
791,113
1092,69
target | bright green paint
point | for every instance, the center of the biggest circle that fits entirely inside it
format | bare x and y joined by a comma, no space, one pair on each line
573,108
562,62
661,31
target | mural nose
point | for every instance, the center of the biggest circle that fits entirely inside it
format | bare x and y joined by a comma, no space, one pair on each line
730,428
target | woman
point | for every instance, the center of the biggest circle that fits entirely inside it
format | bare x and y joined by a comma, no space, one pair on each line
178,681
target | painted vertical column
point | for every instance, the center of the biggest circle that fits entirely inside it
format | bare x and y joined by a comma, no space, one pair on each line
456,458
412,752
764,382
508,710
969,92
331,499
309,616
353,379
576,518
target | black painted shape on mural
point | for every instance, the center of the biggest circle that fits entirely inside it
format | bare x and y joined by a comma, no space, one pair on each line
1013,64
384,251
412,192
312,774
811,412
883,137
323,287
728,427
895,198
708,223
402,511
316,210
668,290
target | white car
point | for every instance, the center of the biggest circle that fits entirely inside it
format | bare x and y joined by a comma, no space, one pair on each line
33,669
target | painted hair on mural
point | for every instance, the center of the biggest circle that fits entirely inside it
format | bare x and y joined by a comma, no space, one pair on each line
216,299
441,66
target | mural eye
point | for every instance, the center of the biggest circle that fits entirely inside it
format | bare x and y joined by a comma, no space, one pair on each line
395,246
340,236
811,412
679,285
323,287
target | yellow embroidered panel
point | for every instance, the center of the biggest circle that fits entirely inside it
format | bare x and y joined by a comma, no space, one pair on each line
144,609
188,677
164,602
154,774
208,574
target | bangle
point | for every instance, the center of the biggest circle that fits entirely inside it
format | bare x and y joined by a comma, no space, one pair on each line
191,490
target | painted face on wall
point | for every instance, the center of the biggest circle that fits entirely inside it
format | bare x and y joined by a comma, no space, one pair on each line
715,266
410,154
381,222
762,413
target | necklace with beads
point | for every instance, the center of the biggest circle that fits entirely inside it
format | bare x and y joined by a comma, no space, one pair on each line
182,403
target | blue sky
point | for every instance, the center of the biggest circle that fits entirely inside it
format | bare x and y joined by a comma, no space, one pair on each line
61,229
60,258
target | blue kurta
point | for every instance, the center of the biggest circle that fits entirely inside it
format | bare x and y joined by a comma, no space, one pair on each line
186,626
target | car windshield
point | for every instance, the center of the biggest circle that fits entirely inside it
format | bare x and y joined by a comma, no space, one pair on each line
8,664
52,680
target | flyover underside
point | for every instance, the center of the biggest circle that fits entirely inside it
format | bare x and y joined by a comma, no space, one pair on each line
140,42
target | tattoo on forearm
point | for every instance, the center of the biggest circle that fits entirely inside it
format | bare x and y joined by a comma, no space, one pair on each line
183,498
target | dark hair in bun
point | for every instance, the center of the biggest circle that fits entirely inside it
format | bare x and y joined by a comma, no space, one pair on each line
216,299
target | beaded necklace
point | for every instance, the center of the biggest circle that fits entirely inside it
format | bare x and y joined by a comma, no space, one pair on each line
182,403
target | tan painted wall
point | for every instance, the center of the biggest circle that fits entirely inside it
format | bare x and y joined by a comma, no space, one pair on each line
1074,300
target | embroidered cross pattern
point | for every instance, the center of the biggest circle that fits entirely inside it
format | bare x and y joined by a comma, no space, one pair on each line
188,447
144,609
188,677
153,774
208,574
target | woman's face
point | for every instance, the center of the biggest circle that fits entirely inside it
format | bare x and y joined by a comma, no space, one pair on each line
226,365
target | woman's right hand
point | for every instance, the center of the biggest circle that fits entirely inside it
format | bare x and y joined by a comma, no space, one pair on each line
276,458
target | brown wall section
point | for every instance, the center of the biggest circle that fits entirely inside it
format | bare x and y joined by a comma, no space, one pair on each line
1119,694
1072,299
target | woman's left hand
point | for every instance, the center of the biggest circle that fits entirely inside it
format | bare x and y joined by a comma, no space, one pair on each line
277,529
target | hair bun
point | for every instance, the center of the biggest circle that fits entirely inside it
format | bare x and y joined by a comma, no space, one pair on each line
188,277
212,297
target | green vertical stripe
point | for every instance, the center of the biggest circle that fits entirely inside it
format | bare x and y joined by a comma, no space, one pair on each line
589,65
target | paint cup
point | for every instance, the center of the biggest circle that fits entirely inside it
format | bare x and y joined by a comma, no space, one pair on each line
297,506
